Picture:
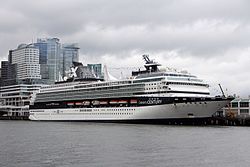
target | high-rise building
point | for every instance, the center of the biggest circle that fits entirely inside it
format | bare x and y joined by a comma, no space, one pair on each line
55,58
1,77
22,66
8,73
42,46
30,66
4,69
26,57
49,58
96,69
70,54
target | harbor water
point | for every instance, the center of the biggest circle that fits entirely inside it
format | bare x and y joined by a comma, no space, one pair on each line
79,144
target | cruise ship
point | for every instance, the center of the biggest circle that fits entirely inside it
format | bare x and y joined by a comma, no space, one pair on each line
154,94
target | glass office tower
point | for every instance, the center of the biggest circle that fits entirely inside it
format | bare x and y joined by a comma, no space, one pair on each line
55,58
96,69
49,58
70,54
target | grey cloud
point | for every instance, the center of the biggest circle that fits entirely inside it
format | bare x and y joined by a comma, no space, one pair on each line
113,22
108,30
122,13
189,38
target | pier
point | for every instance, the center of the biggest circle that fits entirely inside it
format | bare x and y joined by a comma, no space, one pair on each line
14,118
215,120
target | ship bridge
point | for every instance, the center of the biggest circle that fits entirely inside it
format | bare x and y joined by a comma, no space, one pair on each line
151,67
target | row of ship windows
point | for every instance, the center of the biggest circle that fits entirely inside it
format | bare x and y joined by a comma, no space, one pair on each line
177,83
94,85
92,113
180,75
32,68
118,87
107,89
148,80
18,88
105,84
28,65
108,113
89,110
181,83
125,89
129,109
153,84
16,94
172,75
83,93
45,98
151,88
56,86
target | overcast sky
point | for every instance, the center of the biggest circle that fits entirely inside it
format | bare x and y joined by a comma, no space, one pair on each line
208,38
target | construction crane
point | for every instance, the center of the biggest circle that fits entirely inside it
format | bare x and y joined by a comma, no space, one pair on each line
223,94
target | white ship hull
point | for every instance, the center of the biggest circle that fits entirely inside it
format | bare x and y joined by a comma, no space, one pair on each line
203,109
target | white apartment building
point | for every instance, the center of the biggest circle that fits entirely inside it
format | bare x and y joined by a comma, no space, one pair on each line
27,59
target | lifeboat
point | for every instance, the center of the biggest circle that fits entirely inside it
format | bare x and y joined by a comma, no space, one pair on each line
133,101
103,102
113,102
70,103
78,103
123,101
95,102
86,103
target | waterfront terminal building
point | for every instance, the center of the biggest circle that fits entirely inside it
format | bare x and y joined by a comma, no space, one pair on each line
15,99
238,108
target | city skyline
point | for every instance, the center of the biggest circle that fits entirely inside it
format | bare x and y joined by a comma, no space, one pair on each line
208,38
47,60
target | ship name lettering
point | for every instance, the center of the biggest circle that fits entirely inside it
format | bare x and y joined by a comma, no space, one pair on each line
151,101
